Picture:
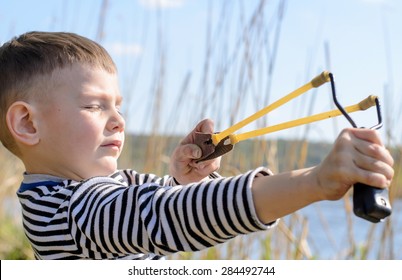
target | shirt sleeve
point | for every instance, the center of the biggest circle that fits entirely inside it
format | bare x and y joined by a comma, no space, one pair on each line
149,216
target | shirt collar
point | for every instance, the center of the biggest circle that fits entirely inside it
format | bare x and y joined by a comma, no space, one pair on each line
31,181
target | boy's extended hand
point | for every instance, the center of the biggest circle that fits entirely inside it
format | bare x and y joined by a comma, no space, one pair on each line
183,166
358,156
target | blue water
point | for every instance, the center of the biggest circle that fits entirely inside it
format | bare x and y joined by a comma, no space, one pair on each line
329,235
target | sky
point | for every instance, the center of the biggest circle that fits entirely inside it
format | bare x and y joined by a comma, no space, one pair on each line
181,61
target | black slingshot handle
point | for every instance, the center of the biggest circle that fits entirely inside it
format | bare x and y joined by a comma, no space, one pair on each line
371,203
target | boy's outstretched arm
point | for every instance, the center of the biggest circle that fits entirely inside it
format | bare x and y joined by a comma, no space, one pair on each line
183,166
358,155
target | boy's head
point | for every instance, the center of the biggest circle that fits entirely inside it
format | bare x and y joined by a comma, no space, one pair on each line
58,91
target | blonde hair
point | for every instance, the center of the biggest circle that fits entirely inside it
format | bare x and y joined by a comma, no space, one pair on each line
26,59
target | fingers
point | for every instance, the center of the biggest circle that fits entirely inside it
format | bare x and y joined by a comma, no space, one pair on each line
188,152
372,171
366,134
374,150
208,166
183,164
372,162
378,175
204,126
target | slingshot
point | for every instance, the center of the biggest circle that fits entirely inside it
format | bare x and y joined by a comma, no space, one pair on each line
369,203
217,144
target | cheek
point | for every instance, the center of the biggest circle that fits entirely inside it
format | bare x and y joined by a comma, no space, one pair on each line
78,132
87,131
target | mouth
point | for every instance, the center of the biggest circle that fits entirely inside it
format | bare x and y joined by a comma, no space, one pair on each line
115,144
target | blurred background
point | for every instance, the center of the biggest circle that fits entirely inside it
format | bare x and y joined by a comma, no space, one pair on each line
181,61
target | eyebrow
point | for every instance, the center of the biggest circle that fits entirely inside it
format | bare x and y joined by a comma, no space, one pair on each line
102,95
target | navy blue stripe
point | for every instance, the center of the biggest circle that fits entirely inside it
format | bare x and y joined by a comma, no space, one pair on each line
30,186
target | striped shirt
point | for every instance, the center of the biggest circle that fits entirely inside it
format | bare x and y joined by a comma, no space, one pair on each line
129,215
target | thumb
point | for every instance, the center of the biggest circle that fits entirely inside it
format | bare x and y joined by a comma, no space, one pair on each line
189,152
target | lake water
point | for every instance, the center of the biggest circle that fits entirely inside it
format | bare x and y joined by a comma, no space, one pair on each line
329,236
329,233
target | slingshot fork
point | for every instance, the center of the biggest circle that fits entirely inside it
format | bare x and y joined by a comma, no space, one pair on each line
217,144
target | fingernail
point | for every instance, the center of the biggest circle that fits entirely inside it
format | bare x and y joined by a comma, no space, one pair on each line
196,153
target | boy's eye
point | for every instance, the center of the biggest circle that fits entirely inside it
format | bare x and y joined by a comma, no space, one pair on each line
93,107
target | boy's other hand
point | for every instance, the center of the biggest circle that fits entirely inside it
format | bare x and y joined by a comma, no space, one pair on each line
183,166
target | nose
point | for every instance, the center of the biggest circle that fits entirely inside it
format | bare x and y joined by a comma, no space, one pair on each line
116,122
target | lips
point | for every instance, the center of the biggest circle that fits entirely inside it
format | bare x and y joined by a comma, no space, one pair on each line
113,144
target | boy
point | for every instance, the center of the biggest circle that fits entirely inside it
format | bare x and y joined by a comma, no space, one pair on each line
60,103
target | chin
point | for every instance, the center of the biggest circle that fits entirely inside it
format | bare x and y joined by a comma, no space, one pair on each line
104,171
107,167
109,171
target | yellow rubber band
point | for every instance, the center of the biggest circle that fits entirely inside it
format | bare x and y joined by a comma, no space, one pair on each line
306,120
315,82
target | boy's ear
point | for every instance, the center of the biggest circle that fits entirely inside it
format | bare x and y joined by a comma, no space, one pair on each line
21,123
